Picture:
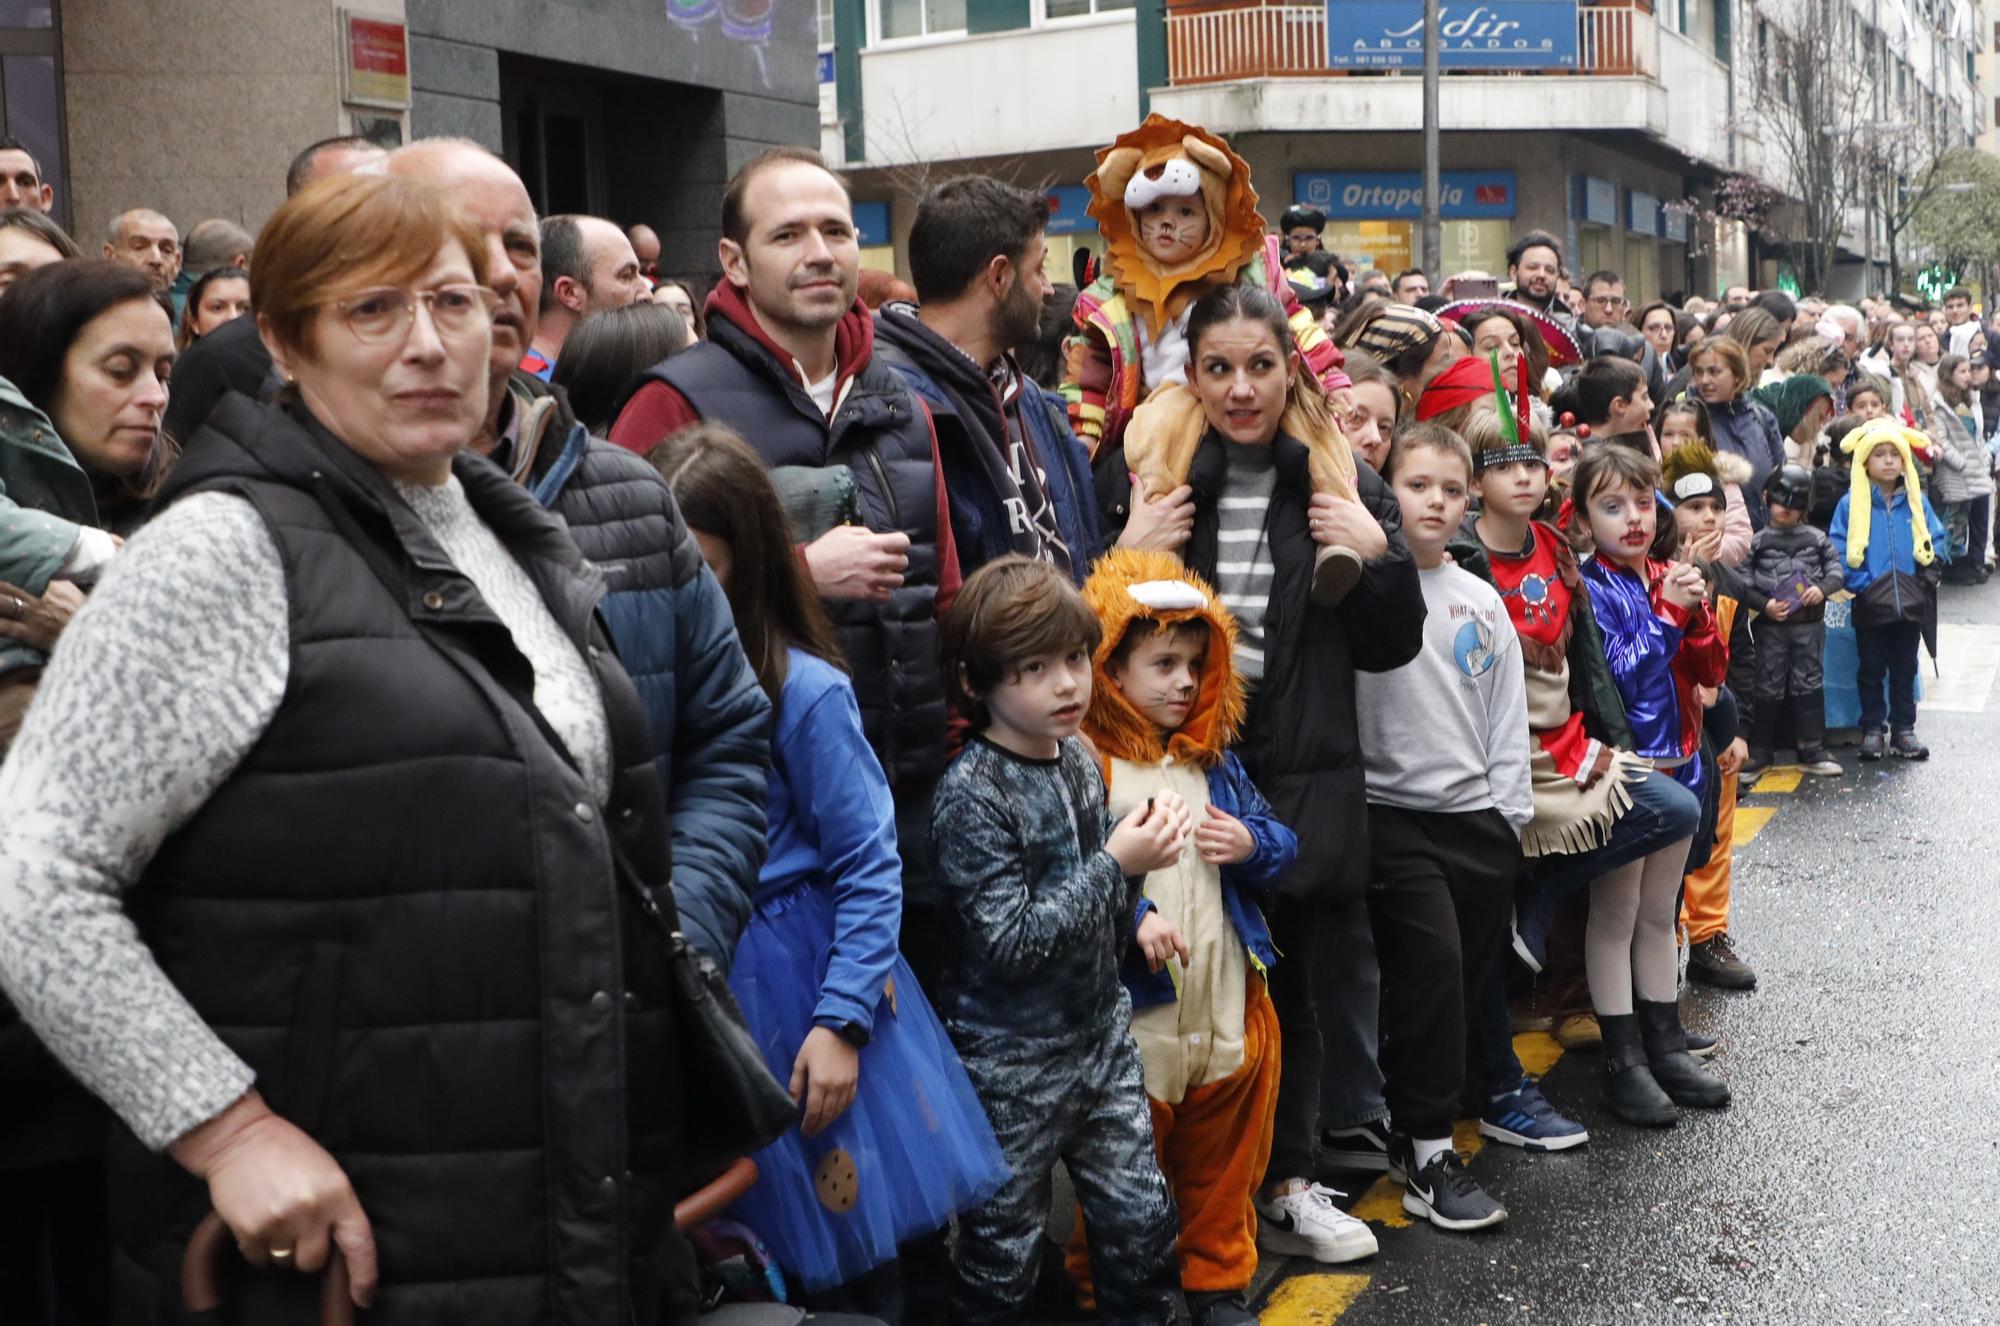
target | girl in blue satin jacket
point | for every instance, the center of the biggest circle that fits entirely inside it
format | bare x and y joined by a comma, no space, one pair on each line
892,1140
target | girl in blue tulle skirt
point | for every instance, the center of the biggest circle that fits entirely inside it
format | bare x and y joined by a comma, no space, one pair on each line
892,1140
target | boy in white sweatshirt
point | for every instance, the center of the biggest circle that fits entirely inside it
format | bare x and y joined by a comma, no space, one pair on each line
1445,743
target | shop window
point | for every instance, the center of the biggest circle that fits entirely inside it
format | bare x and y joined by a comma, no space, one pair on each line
918,18
826,25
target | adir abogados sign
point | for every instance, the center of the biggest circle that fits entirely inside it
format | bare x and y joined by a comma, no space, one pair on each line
1510,34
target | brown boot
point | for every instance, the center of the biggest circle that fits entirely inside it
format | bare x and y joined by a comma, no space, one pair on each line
1336,571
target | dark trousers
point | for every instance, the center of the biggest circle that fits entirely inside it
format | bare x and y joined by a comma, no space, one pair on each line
1086,1106
55,1259
1888,651
1324,946
1790,661
1978,523
1438,893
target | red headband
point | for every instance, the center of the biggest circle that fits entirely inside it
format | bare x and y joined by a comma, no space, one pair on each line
1467,380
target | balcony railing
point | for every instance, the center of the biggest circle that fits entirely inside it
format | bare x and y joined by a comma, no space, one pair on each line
1289,41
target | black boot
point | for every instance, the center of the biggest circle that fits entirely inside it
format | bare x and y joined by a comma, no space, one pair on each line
1809,718
1763,741
1677,1071
1629,1088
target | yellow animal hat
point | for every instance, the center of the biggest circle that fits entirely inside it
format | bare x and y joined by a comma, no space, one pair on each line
1860,444
1166,158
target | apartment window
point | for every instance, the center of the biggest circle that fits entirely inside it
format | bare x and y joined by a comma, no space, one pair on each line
1078,8
918,18
826,25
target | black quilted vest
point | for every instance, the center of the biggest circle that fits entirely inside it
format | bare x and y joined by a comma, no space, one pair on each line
880,433
402,910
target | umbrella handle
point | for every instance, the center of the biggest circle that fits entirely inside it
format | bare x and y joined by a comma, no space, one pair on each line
201,1275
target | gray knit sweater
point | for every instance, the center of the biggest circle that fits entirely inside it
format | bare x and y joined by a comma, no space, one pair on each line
160,686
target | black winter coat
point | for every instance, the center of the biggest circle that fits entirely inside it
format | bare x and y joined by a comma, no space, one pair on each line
1747,428
1300,741
1782,558
405,911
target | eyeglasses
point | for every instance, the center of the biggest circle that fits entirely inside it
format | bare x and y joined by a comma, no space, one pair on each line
1610,301
378,316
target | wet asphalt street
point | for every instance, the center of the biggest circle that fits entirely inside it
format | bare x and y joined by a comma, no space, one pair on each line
1856,1177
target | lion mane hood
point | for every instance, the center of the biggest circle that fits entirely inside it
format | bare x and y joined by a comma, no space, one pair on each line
1168,156
1127,586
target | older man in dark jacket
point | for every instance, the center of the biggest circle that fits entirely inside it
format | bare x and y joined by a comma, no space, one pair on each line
667,616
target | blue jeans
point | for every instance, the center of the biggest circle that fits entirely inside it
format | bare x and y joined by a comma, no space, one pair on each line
1662,812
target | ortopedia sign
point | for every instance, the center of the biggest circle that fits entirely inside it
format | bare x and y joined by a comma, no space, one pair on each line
1389,34
1388,194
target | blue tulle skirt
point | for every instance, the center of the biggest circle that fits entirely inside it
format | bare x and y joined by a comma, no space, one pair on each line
913,1149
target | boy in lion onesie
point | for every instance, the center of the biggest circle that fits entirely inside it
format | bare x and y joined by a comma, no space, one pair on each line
1178,216
1165,703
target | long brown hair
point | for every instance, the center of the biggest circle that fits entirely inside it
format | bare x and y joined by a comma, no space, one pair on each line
724,493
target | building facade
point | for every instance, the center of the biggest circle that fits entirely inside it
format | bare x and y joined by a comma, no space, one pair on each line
634,109
1608,124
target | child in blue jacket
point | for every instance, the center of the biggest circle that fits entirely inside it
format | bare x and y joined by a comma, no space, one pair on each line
892,1140
1893,567
1165,704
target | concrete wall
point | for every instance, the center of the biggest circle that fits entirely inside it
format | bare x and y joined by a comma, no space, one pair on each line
196,108
1004,93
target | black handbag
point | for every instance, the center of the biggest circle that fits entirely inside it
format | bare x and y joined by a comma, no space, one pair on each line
735,1105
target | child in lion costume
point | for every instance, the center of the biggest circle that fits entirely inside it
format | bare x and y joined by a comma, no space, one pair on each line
1179,217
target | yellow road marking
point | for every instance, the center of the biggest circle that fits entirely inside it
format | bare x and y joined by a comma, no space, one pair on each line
1382,1204
1783,779
1537,1051
1750,820
1312,1300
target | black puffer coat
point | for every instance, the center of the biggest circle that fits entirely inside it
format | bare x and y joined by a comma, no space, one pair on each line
405,912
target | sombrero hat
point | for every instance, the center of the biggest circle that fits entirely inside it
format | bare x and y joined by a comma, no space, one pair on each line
1561,345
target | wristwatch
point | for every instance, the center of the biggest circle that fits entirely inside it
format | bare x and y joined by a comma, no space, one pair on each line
853,1033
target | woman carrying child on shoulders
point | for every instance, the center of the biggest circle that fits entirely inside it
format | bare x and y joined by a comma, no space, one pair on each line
1259,522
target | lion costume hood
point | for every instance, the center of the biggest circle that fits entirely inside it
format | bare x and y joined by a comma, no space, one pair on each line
1130,584
1165,158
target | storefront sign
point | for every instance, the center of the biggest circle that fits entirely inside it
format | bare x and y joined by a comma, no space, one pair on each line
1514,34
1067,210
1674,224
826,66
1642,213
871,224
375,61
1375,195
1597,200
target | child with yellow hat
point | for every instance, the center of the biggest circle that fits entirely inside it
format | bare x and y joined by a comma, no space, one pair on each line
1892,571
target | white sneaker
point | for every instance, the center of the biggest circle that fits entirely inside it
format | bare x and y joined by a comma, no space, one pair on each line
1308,1224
